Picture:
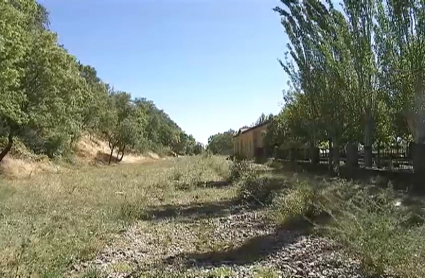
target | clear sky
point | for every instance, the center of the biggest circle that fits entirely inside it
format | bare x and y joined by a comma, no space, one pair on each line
210,64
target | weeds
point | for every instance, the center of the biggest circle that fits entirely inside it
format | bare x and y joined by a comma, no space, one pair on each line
266,272
240,169
293,205
363,219
52,220
93,273
259,189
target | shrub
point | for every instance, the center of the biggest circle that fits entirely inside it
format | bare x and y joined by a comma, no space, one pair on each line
387,238
375,229
219,165
240,170
259,189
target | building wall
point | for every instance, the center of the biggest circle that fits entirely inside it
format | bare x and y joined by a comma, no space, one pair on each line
246,142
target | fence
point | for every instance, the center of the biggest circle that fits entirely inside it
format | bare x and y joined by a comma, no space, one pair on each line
387,158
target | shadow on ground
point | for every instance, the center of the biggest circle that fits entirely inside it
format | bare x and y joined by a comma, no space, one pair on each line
196,211
103,158
252,250
255,248
215,184
204,184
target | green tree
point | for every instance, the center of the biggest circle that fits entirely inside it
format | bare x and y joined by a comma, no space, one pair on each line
263,118
319,67
42,89
126,124
221,143
15,41
361,14
198,149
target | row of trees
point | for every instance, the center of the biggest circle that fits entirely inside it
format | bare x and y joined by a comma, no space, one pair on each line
48,98
357,75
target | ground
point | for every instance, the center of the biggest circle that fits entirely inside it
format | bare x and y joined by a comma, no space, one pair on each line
163,218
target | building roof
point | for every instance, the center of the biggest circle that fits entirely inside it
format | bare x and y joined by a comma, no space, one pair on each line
248,129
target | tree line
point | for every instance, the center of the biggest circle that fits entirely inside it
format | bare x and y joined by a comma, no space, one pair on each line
357,76
48,98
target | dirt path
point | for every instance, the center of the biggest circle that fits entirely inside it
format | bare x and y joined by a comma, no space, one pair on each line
217,240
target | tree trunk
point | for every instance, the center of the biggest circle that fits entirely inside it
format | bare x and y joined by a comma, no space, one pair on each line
112,153
378,156
419,166
314,155
122,154
8,147
336,156
368,161
292,156
352,156
330,155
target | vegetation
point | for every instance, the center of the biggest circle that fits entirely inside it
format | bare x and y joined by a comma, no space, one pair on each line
53,220
221,143
49,98
356,75
384,228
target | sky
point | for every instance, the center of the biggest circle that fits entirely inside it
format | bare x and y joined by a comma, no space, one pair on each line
211,65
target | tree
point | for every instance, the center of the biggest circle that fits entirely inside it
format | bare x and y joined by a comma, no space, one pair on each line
126,124
319,66
42,90
263,118
198,149
221,143
361,14
95,99
16,39
48,98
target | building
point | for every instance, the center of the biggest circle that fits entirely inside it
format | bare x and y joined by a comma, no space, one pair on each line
249,142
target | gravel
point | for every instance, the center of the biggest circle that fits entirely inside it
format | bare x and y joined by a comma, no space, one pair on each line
241,244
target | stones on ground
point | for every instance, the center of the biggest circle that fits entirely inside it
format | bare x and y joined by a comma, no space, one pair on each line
240,242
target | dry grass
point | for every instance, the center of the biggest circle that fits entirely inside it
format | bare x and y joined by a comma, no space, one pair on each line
16,168
22,163
385,233
93,150
54,219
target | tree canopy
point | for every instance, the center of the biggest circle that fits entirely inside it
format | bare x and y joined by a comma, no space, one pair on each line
357,74
221,143
49,98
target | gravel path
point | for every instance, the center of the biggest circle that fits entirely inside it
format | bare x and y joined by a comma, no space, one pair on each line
238,244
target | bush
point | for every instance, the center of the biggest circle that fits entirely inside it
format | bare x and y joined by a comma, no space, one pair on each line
259,189
240,170
387,238
303,202
375,229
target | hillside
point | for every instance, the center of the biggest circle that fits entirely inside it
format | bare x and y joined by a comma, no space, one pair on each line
88,151
49,98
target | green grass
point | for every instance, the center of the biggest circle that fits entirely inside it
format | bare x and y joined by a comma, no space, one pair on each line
50,221
265,272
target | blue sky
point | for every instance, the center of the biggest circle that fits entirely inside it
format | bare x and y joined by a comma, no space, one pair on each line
210,64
